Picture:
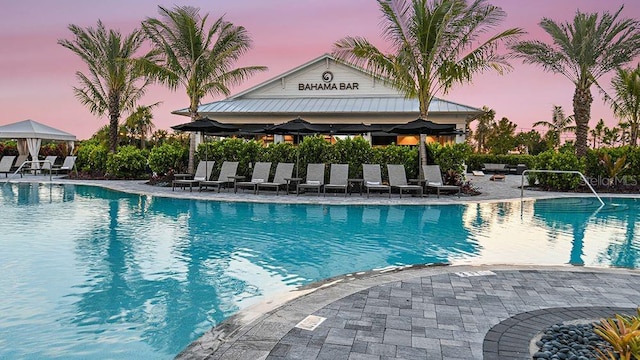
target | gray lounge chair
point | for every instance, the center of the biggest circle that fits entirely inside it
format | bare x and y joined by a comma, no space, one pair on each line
6,164
283,172
338,179
433,176
227,171
48,163
398,180
203,172
315,178
372,176
68,165
260,174
19,161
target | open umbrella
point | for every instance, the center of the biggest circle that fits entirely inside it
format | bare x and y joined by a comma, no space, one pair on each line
422,127
357,128
206,125
297,126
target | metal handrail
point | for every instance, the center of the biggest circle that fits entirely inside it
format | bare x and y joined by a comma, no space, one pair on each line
559,172
33,162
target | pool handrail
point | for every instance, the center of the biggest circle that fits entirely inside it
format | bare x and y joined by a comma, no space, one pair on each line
558,172
33,162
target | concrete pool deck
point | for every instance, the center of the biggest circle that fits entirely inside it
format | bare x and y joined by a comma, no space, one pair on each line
420,312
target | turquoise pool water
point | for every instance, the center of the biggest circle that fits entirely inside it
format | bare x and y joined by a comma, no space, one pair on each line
92,273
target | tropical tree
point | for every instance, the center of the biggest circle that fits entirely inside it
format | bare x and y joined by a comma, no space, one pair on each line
583,51
626,102
484,126
113,84
139,123
597,132
196,56
503,137
558,125
435,44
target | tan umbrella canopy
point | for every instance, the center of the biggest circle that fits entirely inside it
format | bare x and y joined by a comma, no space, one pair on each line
30,134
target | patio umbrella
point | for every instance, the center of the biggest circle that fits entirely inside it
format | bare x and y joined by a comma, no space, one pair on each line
358,128
297,126
205,125
420,127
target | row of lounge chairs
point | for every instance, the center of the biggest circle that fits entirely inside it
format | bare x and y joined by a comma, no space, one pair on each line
9,164
315,179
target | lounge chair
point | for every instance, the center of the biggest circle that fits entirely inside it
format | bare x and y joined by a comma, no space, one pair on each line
283,172
398,180
19,161
315,178
433,176
227,171
338,179
68,165
203,172
6,164
47,164
260,174
372,176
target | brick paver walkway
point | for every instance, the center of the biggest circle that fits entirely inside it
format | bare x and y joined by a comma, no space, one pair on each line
430,313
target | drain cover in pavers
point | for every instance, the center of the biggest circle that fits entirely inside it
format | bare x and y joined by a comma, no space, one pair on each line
475,273
310,322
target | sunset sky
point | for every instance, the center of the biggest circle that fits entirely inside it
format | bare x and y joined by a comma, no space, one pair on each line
37,75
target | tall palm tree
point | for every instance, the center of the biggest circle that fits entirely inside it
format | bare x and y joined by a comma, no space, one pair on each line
626,102
198,57
558,125
140,123
484,127
435,44
113,84
583,51
598,132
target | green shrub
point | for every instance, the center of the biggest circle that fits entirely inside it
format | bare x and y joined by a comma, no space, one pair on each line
92,158
313,149
168,157
231,149
477,161
451,157
353,151
128,162
395,154
551,160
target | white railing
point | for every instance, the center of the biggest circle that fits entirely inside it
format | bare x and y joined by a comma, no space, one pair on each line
559,172
21,167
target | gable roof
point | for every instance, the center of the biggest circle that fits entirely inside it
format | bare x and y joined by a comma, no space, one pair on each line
282,94
29,129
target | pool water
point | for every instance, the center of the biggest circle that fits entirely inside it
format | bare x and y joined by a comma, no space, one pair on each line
93,273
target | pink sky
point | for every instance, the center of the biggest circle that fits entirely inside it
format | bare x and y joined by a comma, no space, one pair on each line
37,75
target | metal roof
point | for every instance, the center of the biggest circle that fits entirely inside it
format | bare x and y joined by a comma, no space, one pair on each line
330,105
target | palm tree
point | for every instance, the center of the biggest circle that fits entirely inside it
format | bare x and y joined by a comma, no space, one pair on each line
597,133
485,125
434,46
196,57
558,125
113,84
139,123
583,51
626,103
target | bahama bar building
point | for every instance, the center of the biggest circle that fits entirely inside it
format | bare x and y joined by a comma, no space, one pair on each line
331,92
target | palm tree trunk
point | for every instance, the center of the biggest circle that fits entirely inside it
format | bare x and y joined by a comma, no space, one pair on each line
114,116
633,134
192,146
582,100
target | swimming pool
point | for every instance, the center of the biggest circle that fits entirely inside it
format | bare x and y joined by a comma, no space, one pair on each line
93,273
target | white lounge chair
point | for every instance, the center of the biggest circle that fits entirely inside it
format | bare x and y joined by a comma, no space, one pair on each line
315,178
203,172
338,178
6,164
48,163
283,172
227,171
433,176
68,165
398,180
260,174
372,176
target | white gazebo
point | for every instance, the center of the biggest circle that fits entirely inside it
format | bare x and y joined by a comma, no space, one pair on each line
30,134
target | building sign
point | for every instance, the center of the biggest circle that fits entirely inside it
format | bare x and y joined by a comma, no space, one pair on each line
328,84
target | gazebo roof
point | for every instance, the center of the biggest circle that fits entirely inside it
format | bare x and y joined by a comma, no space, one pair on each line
29,129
